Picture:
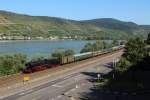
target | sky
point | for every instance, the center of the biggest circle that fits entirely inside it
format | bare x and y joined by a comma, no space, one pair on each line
137,11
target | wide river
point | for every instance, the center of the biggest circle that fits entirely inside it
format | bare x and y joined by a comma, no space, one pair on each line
40,47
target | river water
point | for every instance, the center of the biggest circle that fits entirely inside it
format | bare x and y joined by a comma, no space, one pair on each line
40,47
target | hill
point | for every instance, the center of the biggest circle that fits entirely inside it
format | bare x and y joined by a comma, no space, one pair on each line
146,27
110,23
12,24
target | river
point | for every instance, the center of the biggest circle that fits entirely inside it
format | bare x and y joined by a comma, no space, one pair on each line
40,47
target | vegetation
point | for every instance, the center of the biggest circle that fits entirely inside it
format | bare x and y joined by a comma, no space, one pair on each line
134,52
15,63
69,52
12,64
38,57
123,65
87,48
115,42
35,26
130,75
133,68
60,53
98,45
148,39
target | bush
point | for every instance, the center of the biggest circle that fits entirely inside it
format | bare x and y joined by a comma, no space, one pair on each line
87,48
115,42
12,64
59,53
123,65
148,39
134,53
69,52
98,45
134,50
38,57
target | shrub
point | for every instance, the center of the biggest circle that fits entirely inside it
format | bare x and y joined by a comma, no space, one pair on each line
123,65
12,64
59,53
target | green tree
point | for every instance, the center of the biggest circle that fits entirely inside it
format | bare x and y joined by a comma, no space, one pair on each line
20,60
98,45
38,57
59,53
115,42
104,45
11,64
134,50
148,39
87,48
69,52
123,65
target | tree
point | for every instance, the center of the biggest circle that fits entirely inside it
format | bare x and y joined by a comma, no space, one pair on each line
38,57
104,45
69,52
98,45
115,43
59,53
123,65
20,60
11,64
87,48
134,50
148,39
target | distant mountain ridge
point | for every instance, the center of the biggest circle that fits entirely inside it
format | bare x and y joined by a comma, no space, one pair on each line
110,23
104,28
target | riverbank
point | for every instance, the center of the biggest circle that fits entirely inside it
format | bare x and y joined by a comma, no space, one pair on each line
42,40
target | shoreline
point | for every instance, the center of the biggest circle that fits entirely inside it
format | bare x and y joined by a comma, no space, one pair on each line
48,40
42,40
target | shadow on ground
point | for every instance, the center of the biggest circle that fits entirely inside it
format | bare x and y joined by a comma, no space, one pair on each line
134,84
108,65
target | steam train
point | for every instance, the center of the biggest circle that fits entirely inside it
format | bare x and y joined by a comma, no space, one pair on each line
35,66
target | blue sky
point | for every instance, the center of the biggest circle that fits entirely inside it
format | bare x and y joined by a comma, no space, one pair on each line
127,10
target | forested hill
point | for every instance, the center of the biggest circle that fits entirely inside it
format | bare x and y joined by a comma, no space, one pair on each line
12,24
114,24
